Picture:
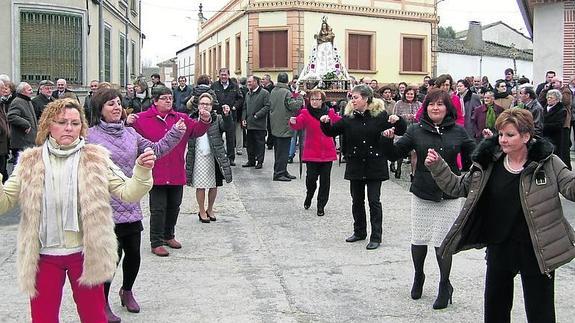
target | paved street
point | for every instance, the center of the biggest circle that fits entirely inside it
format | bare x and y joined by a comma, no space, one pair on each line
266,259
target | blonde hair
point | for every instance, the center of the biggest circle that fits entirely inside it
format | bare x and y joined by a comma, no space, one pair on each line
52,110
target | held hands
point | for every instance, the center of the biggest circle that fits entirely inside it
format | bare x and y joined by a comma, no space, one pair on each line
324,119
147,159
432,157
244,123
27,130
226,109
292,120
131,118
393,119
486,133
389,133
205,116
181,125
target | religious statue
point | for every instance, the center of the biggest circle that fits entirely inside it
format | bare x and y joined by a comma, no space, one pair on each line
325,35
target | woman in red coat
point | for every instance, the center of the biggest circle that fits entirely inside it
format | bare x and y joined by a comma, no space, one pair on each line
318,149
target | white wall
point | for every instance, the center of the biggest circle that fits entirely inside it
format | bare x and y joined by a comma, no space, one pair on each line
501,34
548,39
460,66
186,61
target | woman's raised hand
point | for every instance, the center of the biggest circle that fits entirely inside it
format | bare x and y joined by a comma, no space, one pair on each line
393,119
181,125
486,133
131,118
205,116
324,118
292,120
432,157
147,159
389,133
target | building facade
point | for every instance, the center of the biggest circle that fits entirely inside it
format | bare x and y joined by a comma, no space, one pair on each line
551,24
186,60
389,40
61,39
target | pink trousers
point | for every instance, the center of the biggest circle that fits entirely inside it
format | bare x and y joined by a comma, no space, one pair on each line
50,278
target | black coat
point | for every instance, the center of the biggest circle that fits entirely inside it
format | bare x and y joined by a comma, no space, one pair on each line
365,159
448,140
553,121
39,102
232,96
21,116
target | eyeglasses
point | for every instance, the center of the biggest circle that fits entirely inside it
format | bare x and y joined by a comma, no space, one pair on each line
166,98
65,123
205,104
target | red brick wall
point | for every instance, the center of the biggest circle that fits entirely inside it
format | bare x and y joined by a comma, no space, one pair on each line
569,41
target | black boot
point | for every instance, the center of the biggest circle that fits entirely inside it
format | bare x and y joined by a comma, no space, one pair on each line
444,295
417,288
398,169
307,202
392,166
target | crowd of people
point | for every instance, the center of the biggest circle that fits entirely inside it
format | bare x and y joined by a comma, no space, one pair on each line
466,141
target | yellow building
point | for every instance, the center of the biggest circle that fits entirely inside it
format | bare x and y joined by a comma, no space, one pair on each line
388,40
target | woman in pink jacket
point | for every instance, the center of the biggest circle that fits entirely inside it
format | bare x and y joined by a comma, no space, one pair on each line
318,149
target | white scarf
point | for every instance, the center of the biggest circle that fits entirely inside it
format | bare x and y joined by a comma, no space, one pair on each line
50,235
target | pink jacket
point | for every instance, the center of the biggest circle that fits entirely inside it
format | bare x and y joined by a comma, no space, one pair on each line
456,103
152,125
317,147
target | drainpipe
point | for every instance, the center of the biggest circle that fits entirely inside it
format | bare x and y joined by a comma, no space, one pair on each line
126,51
101,39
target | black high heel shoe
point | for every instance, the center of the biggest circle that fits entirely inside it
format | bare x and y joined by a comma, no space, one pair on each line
417,288
202,219
211,217
307,202
444,296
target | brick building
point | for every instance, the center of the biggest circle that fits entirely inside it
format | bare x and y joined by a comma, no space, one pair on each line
551,24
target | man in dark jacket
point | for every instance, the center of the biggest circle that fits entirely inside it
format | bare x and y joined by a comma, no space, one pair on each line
88,108
255,112
182,94
22,119
268,85
283,106
4,137
61,88
228,95
43,98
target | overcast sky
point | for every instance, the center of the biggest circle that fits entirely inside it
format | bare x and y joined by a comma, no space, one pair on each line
170,25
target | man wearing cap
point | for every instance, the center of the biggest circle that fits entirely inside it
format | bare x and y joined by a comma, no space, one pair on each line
43,98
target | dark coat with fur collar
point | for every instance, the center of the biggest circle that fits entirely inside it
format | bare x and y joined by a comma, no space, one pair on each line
544,177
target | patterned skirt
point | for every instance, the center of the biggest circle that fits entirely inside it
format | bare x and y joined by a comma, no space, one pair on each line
204,171
431,221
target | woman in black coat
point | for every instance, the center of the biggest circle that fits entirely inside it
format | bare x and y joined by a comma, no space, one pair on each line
553,119
432,212
363,121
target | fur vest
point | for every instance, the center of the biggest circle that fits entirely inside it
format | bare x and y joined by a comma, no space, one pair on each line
97,226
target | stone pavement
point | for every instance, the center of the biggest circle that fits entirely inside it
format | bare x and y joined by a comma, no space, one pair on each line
266,259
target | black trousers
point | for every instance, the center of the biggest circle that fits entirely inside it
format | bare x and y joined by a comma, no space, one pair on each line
231,141
323,171
165,203
503,264
357,188
129,246
281,155
565,153
270,137
256,146
3,167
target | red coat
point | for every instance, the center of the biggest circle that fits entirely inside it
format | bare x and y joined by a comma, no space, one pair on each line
170,169
317,147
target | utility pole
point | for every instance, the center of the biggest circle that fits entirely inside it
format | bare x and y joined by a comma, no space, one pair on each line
101,40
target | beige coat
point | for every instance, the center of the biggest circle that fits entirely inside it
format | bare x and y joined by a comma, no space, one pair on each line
97,178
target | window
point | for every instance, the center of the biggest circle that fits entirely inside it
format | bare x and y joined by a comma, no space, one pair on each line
204,64
238,54
219,60
55,52
413,54
134,7
133,55
107,53
226,63
122,60
360,51
273,49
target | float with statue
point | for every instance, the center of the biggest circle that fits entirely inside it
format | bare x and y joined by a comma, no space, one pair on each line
324,69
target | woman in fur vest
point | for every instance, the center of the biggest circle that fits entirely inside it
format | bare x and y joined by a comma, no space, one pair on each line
207,165
125,144
513,208
364,120
63,187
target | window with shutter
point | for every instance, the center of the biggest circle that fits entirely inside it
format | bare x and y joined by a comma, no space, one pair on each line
273,49
107,54
413,54
226,63
122,60
238,54
55,52
360,51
